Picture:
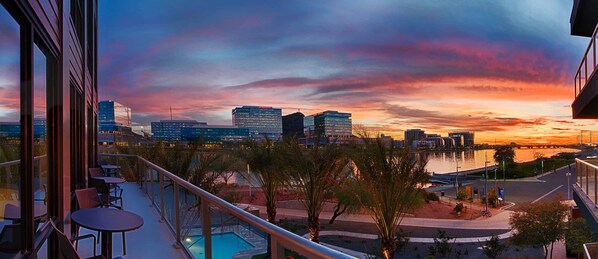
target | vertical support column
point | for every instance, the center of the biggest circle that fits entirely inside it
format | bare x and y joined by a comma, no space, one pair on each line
161,177
152,187
277,251
177,218
206,228
587,178
27,174
595,187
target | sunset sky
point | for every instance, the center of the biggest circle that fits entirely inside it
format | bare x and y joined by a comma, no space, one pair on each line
503,69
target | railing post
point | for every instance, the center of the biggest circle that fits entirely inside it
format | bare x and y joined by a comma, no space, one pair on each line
206,227
152,187
177,220
276,250
595,187
161,177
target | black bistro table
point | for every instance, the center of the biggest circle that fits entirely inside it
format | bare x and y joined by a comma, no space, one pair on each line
12,211
107,221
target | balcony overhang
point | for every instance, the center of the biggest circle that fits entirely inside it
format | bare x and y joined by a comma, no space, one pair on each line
586,206
585,105
583,17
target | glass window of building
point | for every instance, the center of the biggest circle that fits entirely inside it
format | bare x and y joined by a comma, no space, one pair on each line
40,140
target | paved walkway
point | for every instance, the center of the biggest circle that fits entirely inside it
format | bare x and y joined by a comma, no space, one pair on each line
411,239
497,221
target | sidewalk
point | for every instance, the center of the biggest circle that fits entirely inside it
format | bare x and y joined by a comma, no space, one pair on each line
497,221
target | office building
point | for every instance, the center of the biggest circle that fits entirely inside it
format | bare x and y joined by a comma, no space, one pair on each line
260,120
309,129
467,136
171,130
114,123
12,130
215,134
292,125
412,136
333,124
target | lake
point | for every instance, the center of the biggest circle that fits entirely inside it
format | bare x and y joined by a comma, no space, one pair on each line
446,162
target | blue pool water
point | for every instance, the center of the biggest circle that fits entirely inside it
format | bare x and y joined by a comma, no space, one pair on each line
223,245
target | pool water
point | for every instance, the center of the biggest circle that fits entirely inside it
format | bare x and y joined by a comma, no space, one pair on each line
224,245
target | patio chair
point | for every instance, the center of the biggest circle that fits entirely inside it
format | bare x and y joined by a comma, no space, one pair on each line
106,195
66,247
95,172
89,198
10,241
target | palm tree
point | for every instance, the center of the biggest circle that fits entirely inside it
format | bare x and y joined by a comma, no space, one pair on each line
391,180
262,160
315,172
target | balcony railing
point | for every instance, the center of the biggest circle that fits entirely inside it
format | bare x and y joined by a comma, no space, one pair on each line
587,65
198,218
587,178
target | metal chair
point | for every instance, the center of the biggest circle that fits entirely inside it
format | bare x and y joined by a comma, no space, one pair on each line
66,247
106,196
95,172
89,198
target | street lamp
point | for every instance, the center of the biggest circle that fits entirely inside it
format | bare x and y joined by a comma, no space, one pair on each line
486,213
457,179
568,185
503,169
495,179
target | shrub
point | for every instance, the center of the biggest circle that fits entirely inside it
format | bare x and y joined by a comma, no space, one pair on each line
462,194
459,208
432,196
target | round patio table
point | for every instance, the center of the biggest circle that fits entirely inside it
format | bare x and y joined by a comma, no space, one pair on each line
12,211
111,169
107,221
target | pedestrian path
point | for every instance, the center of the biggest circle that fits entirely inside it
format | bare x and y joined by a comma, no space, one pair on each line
411,239
497,221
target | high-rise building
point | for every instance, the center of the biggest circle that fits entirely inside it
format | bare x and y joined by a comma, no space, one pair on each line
309,129
114,123
413,136
171,130
215,134
12,130
260,120
292,125
333,124
467,136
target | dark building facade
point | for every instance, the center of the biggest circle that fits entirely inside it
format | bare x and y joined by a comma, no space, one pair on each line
414,136
292,125
49,52
261,121
171,130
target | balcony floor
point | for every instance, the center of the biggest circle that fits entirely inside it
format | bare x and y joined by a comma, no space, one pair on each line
152,240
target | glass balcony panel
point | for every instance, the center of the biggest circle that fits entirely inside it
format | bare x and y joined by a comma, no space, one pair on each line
190,221
591,186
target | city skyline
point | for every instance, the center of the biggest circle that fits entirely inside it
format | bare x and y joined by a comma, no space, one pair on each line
503,70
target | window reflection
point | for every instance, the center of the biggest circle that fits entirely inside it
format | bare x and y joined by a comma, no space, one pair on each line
39,126
10,134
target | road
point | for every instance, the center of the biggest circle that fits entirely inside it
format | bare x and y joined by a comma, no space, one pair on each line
527,189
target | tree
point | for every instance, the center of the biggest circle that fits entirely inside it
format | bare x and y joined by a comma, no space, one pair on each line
262,161
345,193
539,224
504,153
579,233
391,179
315,172
493,248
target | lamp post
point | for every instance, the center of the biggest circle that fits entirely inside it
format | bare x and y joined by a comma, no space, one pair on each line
457,179
504,178
496,190
568,185
486,213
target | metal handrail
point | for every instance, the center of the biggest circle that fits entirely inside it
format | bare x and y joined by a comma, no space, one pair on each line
279,236
18,161
583,64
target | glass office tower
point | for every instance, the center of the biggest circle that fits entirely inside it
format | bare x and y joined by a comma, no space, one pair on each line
171,130
261,121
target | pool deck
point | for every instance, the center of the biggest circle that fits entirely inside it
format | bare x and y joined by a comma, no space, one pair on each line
152,240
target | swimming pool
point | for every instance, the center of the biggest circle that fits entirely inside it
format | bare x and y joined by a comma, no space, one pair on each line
224,245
